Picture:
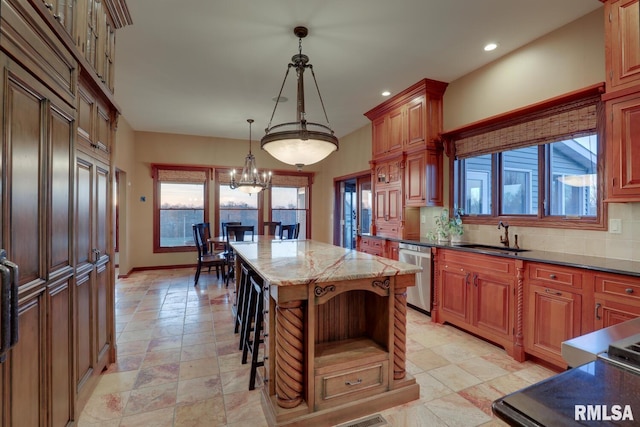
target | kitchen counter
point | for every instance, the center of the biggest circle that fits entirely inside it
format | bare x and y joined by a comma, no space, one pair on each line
553,401
335,331
610,265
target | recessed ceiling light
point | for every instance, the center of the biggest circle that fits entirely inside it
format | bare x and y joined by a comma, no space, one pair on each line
491,46
386,93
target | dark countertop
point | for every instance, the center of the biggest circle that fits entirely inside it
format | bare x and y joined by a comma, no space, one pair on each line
610,265
552,402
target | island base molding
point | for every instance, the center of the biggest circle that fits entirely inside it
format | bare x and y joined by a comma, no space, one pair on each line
404,391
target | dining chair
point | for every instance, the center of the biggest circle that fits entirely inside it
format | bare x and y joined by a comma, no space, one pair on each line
206,258
271,227
235,233
289,231
224,225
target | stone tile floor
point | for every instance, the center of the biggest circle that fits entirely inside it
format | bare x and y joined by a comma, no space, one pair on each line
179,364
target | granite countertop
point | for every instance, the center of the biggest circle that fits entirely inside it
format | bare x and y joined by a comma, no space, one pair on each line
300,262
610,265
552,402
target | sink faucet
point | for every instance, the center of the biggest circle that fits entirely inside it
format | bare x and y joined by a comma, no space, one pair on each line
504,240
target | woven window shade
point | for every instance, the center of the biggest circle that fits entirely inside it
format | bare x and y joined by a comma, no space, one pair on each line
571,120
175,175
289,181
223,178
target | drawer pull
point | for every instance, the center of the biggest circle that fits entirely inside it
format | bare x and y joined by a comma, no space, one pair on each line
553,276
549,291
629,291
356,382
597,308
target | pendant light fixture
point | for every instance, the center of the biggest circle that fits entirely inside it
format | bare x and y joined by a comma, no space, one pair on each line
301,142
250,181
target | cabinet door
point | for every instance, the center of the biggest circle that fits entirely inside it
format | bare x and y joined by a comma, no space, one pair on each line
551,317
624,149
454,293
492,303
623,43
434,178
379,135
415,194
609,313
394,209
396,130
416,129
381,204
393,250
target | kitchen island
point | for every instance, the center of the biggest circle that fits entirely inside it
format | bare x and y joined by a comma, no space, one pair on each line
335,331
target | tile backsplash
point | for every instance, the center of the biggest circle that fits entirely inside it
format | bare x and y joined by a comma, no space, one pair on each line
625,245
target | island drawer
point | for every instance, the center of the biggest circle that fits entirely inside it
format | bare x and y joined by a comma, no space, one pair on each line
612,284
555,275
340,386
371,245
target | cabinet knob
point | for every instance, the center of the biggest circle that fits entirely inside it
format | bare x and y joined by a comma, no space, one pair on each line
48,5
629,291
552,276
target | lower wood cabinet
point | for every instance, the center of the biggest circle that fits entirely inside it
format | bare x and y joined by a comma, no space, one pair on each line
617,299
551,317
476,292
371,245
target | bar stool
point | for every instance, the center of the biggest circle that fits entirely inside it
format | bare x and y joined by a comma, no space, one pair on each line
242,290
252,341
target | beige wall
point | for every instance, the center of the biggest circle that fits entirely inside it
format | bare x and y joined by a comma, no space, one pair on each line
565,60
125,164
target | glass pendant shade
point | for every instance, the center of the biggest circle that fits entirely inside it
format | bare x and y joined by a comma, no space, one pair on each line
301,142
250,180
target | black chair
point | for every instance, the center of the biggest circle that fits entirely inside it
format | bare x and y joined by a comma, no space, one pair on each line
290,231
205,258
235,233
271,227
252,327
224,225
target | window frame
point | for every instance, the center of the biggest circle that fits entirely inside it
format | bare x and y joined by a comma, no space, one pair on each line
541,218
155,168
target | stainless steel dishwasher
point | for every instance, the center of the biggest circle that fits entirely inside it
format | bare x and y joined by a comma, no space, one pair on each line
418,296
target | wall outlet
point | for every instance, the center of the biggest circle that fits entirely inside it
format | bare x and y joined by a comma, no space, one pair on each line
423,219
615,226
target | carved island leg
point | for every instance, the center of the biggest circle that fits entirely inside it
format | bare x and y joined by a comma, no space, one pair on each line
289,354
399,332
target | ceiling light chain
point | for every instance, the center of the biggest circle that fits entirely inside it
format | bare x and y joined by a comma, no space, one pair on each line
303,143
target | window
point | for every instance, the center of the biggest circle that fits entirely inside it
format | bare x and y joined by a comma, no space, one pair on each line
236,206
538,168
289,206
180,200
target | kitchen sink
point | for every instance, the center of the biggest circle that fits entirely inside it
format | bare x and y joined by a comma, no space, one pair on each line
489,247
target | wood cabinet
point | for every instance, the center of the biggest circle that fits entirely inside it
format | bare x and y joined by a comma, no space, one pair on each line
622,100
552,309
622,44
476,292
423,178
617,299
95,122
371,245
37,183
410,120
623,148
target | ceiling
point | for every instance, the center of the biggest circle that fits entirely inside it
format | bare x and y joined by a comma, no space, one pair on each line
202,67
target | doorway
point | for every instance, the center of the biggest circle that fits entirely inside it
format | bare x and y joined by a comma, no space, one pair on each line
353,209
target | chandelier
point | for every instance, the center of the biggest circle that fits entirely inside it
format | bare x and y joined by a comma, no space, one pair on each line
250,181
301,142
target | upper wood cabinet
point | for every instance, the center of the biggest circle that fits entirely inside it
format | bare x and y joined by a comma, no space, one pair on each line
622,44
410,120
94,124
423,178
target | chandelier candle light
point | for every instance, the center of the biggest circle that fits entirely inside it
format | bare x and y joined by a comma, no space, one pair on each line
299,143
250,181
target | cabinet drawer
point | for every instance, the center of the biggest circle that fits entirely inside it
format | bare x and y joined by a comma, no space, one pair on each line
368,242
627,287
555,275
471,261
355,380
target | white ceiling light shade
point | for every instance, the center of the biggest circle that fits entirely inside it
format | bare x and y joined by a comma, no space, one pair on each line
301,142
250,180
